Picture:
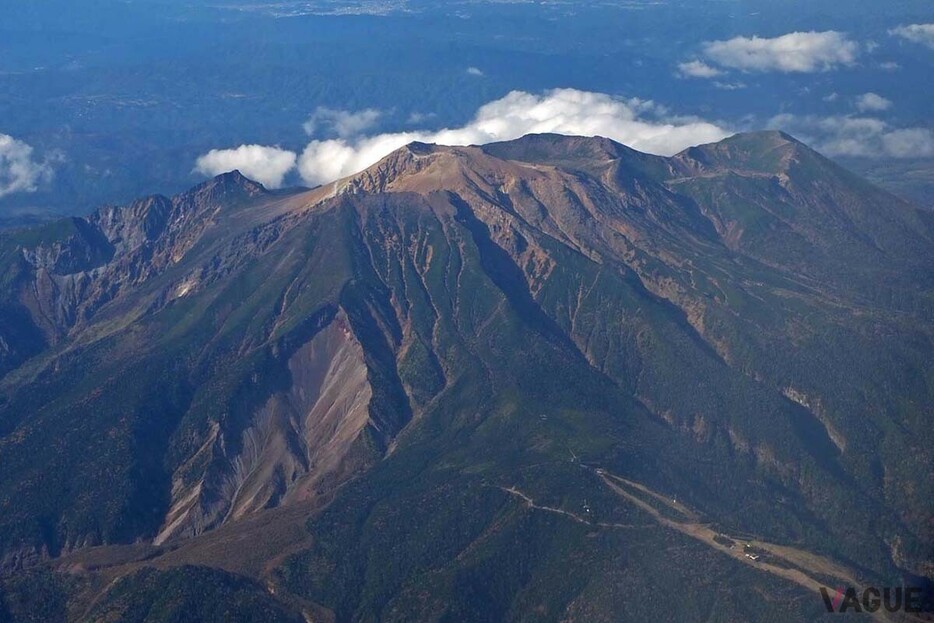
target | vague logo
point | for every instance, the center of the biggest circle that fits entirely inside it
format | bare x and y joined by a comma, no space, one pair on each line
836,598
873,599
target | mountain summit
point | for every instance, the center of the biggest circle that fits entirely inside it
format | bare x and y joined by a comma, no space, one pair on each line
519,381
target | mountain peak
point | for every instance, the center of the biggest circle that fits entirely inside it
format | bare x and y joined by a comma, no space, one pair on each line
575,153
769,151
230,184
419,148
397,170
530,146
421,166
762,141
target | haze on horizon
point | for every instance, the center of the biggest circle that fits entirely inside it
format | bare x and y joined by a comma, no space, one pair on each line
150,95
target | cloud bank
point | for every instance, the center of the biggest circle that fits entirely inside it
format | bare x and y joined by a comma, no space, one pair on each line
266,165
796,52
866,137
19,172
341,123
640,124
872,102
916,33
697,69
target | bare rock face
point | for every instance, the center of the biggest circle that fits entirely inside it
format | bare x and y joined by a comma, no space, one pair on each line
131,227
89,262
300,438
82,251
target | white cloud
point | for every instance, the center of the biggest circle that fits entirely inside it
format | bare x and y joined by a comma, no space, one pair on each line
266,165
698,69
420,117
916,33
640,124
909,143
801,52
343,123
475,71
19,172
729,86
857,136
872,102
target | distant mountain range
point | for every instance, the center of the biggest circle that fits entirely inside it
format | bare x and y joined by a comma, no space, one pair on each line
552,379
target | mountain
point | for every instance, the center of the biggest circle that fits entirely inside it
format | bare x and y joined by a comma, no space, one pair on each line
547,379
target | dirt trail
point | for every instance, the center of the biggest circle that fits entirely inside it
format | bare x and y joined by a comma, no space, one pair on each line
789,563
575,517
804,562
